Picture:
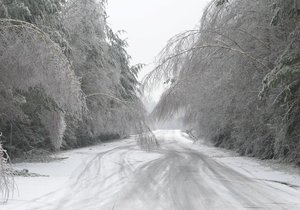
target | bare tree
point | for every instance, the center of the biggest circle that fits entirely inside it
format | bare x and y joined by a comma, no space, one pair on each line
6,177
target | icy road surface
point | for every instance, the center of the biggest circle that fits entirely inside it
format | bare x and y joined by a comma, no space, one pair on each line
178,176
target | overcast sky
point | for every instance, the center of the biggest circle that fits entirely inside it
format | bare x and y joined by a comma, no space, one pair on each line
150,23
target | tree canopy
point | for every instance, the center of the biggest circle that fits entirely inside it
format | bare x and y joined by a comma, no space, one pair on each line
66,78
236,77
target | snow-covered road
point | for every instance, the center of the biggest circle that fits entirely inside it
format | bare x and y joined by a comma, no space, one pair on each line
178,176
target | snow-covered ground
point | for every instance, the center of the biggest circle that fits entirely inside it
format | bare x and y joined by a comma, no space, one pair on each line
180,175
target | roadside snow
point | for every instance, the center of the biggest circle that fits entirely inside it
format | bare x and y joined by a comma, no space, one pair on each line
252,167
60,173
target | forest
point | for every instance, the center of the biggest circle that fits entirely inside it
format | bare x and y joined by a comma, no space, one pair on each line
67,82
235,79
66,79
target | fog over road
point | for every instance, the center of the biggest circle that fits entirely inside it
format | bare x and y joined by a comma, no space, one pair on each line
178,176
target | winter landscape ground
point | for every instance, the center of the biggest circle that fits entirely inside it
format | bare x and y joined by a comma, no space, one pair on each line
78,103
179,175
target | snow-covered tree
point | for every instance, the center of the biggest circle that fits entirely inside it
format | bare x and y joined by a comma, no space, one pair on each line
40,67
107,79
216,73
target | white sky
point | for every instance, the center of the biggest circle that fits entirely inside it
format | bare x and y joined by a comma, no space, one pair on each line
150,23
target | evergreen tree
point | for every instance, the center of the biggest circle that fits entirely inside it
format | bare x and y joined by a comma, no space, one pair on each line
218,71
